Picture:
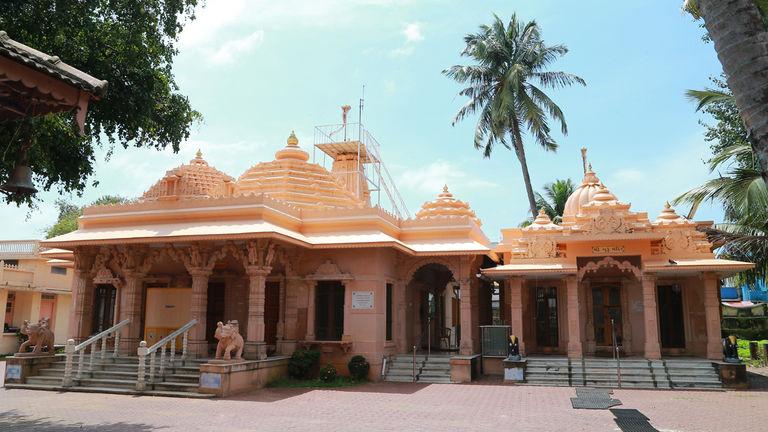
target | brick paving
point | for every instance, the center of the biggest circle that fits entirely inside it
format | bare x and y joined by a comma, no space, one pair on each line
377,407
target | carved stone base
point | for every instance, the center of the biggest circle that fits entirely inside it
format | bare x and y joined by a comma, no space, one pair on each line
19,367
255,351
286,347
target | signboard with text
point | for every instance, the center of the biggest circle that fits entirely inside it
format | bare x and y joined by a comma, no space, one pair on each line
362,299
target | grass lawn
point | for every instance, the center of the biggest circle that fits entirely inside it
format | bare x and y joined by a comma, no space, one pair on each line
744,351
340,381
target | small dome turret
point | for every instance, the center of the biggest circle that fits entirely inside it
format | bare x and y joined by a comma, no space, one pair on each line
292,150
446,205
590,186
194,180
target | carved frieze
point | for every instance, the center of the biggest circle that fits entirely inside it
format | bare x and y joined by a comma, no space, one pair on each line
679,241
608,222
542,248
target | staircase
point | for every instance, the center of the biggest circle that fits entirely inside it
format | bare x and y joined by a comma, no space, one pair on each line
118,376
436,369
635,373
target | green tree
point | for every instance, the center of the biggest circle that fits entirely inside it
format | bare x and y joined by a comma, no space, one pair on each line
738,188
131,44
739,29
505,88
555,196
68,214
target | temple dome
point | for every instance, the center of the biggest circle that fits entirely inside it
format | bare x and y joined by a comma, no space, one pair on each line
542,222
668,216
446,205
290,178
590,186
194,180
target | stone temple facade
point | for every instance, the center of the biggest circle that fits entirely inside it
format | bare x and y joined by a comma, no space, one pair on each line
299,256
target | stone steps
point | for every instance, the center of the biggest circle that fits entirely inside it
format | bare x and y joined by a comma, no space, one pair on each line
635,373
111,390
119,376
436,369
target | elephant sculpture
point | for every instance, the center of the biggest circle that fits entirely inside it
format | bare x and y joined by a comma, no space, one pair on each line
38,335
230,341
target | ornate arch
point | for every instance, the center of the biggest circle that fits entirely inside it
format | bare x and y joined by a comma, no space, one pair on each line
624,266
417,264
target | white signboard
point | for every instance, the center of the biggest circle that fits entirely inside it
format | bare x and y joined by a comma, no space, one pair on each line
362,299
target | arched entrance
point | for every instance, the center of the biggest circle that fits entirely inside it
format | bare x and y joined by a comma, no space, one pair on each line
433,309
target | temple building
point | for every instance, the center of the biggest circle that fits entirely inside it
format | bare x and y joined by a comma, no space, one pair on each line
297,254
608,277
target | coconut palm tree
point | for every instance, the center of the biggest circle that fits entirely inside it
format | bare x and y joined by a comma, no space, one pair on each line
505,86
739,29
744,197
555,196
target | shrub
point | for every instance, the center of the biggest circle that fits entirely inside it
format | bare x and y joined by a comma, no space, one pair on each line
328,373
303,364
358,367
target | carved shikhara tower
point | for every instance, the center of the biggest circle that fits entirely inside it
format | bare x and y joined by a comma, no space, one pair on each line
657,281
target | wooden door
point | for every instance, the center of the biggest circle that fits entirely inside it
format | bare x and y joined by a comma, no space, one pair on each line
671,327
103,308
606,306
546,318
271,312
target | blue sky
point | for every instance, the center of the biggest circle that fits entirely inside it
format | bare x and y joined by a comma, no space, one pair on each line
257,69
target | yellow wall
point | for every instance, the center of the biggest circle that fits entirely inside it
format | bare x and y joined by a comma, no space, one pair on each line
166,310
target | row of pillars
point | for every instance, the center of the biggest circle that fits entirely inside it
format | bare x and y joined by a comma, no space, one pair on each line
652,348
130,307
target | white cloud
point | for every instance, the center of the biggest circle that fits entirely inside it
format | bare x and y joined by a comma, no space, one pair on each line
412,32
229,50
431,178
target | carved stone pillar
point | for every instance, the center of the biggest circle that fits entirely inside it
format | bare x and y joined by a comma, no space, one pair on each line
651,315
82,287
293,285
712,316
311,311
130,308
198,344
515,292
401,321
467,345
575,348
281,312
255,346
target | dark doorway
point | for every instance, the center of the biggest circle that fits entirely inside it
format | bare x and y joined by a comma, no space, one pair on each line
606,306
103,308
329,310
215,310
546,318
271,312
671,325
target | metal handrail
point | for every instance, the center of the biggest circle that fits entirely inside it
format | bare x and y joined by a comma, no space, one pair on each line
161,345
71,349
616,354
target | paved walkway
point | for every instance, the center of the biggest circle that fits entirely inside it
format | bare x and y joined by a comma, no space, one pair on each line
378,407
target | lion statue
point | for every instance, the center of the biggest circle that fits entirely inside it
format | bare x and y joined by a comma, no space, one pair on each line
39,335
230,341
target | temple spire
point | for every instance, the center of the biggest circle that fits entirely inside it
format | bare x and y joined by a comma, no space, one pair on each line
584,163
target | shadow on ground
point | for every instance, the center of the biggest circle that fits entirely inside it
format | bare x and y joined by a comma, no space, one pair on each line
13,421
279,394
758,381
632,420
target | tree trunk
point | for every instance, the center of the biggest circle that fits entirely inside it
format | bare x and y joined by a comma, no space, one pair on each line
741,42
520,151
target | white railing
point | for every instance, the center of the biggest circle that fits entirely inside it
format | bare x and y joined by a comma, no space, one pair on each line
71,349
161,345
